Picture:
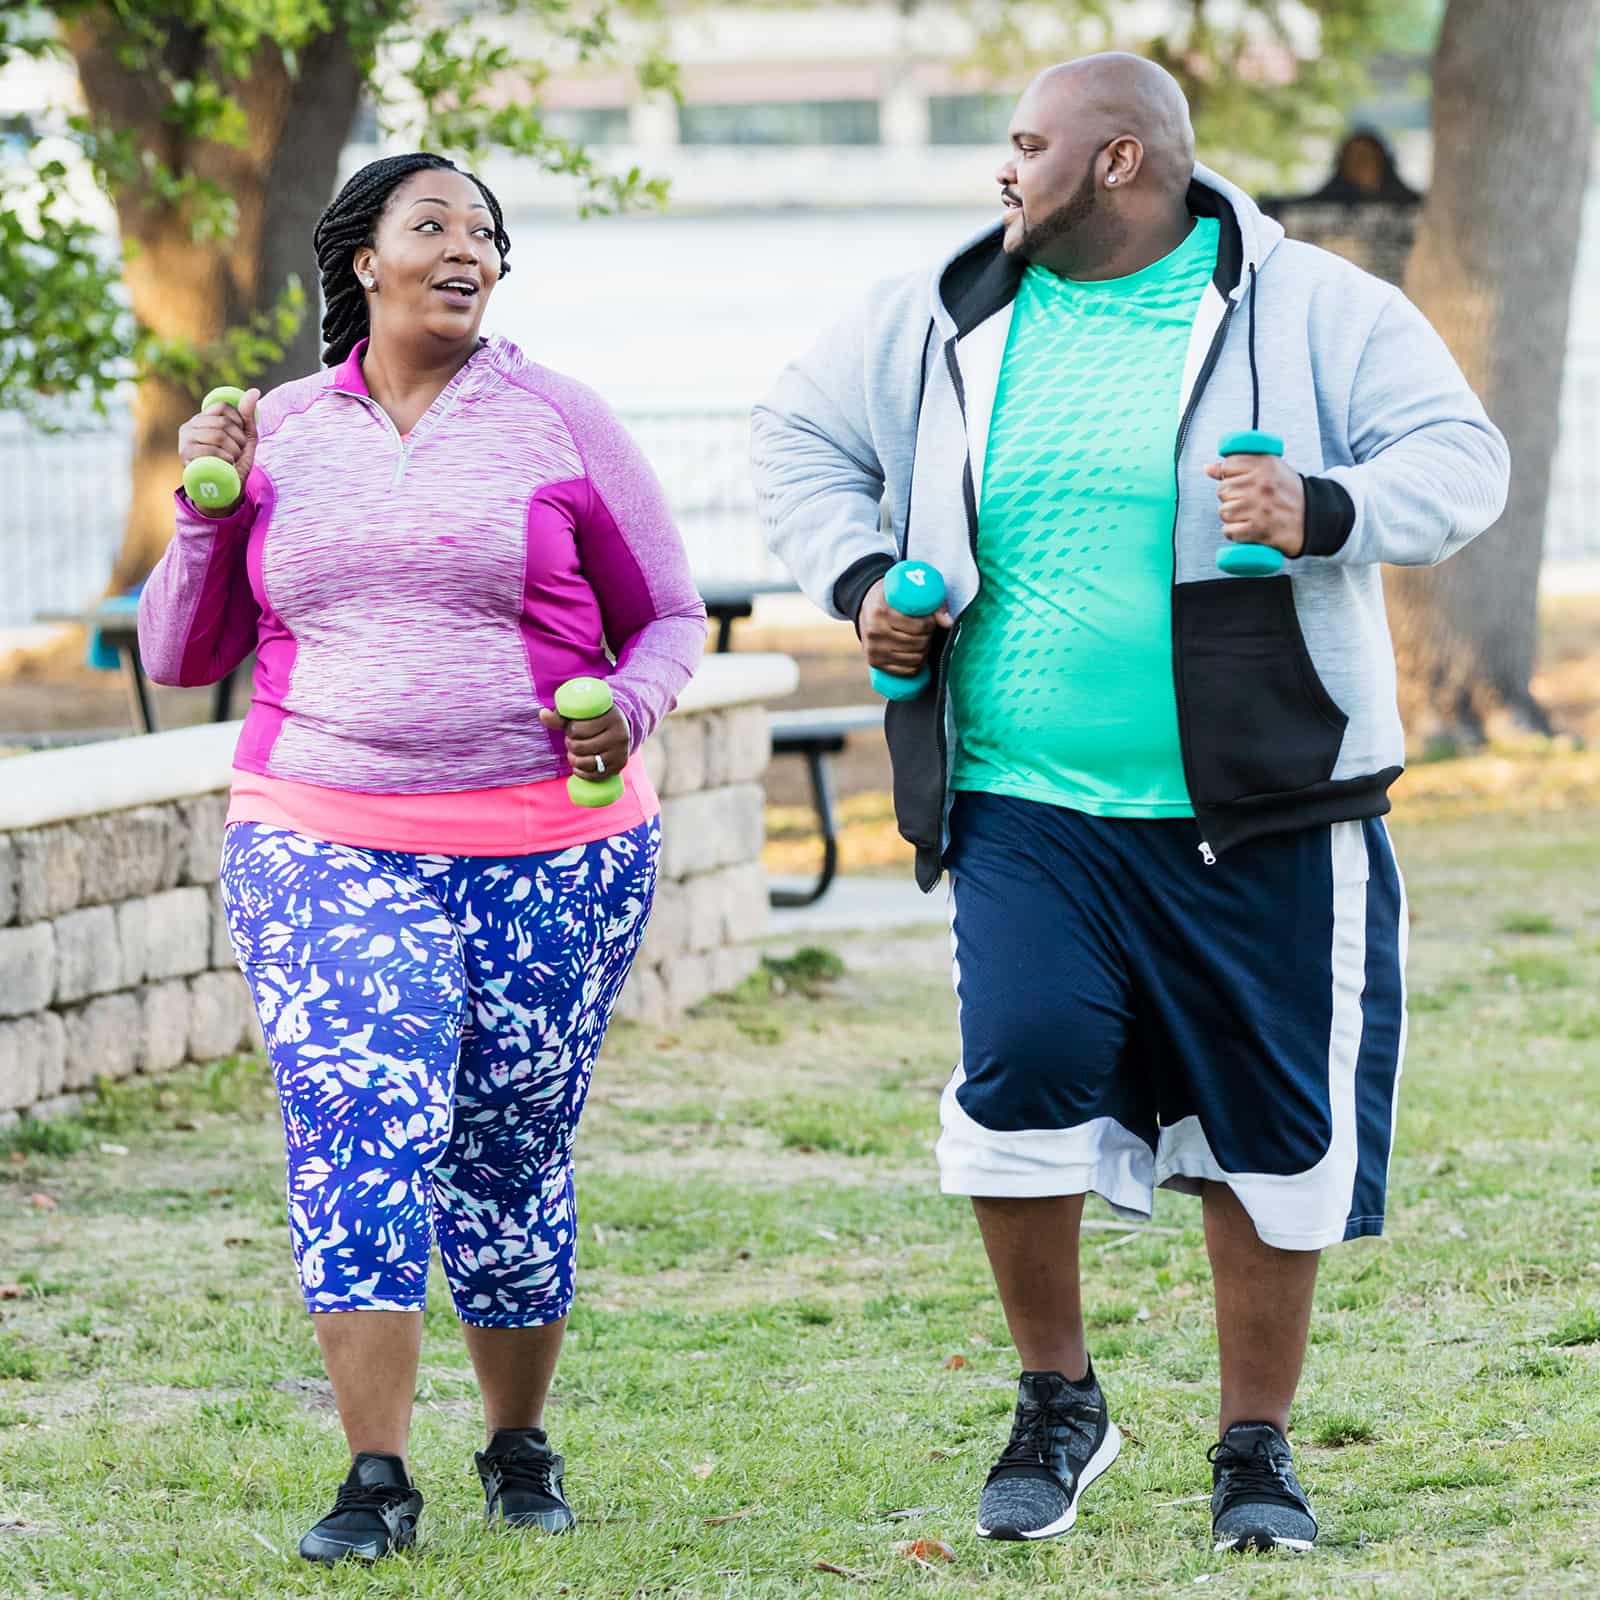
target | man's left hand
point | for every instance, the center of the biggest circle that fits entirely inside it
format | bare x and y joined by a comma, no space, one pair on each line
1262,501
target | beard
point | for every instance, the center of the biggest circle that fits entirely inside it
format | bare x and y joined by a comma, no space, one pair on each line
1073,223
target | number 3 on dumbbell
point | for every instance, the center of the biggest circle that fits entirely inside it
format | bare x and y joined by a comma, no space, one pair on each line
209,481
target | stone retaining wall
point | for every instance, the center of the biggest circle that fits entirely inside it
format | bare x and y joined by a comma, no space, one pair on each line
114,954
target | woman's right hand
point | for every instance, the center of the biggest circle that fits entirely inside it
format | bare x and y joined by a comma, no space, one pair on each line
223,431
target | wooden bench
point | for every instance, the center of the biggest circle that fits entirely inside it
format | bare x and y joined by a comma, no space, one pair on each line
815,735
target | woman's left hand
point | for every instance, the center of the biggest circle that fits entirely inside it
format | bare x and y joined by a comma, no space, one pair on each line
604,737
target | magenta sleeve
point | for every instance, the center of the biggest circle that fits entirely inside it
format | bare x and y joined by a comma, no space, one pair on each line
633,558
197,615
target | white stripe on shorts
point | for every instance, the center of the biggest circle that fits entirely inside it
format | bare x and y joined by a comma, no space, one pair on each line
1037,1163
1302,1210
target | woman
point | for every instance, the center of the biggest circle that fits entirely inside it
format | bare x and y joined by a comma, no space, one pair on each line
433,534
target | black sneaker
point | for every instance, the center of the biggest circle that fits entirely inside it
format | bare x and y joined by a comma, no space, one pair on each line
374,1514
1061,1441
1256,1500
522,1481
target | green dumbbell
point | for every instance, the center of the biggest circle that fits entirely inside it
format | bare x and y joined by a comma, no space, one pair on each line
1250,560
914,589
210,482
581,700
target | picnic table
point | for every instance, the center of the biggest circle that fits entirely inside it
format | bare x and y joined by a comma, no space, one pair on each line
730,599
813,735
116,621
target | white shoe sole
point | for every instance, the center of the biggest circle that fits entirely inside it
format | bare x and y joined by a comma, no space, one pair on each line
1233,1546
1098,1463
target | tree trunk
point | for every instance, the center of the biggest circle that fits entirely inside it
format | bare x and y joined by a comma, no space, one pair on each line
1492,269
181,288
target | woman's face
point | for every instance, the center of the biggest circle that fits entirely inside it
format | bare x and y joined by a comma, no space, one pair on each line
434,263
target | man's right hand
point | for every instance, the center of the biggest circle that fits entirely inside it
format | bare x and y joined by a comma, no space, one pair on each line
893,642
225,432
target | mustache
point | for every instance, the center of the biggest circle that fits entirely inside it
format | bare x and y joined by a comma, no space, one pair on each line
1012,196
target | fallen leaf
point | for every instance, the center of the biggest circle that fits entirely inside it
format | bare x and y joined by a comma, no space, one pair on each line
13,1291
732,1516
186,1125
838,1572
43,1202
113,1149
955,1363
828,1234
705,1469
265,1543
926,1551
18,1159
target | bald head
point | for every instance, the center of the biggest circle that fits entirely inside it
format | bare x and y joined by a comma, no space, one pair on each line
1117,95
1102,154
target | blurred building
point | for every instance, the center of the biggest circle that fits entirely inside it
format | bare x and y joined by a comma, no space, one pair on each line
840,104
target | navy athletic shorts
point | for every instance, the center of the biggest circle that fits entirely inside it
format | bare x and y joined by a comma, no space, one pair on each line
1131,1017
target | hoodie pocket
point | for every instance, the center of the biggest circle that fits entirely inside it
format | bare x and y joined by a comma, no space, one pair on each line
1256,717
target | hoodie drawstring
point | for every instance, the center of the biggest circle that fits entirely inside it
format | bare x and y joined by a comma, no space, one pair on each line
1255,377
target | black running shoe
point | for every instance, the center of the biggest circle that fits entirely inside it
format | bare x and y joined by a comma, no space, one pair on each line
1061,1441
374,1515
522,1481
1256,1500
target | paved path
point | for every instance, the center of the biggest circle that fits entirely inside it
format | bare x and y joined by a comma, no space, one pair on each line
860,904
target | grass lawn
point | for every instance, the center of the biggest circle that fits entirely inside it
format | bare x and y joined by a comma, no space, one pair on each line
786,1363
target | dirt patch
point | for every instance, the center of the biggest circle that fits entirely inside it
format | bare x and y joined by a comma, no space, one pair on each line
313,1394
154,1402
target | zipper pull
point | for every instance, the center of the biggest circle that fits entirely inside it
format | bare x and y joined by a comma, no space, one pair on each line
1207,854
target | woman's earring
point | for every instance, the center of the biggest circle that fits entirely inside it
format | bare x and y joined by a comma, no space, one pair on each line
1109,181
368,283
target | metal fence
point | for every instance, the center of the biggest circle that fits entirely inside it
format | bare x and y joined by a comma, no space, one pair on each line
63,496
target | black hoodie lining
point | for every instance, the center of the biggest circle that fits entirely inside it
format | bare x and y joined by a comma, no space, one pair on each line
983,278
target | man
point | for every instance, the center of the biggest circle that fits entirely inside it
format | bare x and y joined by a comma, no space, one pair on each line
1178,927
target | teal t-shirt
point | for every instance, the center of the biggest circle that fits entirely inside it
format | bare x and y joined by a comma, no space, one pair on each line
1061,675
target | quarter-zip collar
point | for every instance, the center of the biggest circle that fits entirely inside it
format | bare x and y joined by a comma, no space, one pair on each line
479,370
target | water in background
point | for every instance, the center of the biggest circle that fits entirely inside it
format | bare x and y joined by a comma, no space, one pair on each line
681,322
668,312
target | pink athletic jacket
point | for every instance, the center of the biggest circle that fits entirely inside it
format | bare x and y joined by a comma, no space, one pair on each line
412,604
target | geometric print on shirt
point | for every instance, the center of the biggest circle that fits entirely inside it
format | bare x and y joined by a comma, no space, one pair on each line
432,1023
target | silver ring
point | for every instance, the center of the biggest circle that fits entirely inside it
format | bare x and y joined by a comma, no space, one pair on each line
600,764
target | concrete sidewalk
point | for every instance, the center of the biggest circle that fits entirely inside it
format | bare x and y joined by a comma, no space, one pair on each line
860,904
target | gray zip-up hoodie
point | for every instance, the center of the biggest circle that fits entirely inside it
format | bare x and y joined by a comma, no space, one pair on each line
871,448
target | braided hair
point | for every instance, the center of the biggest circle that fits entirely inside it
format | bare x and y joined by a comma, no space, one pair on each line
351,222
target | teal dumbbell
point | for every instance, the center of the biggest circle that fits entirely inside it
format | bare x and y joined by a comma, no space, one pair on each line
210,482
1250,560
581,700
914,589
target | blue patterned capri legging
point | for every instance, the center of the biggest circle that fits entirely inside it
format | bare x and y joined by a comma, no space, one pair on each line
432,1023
